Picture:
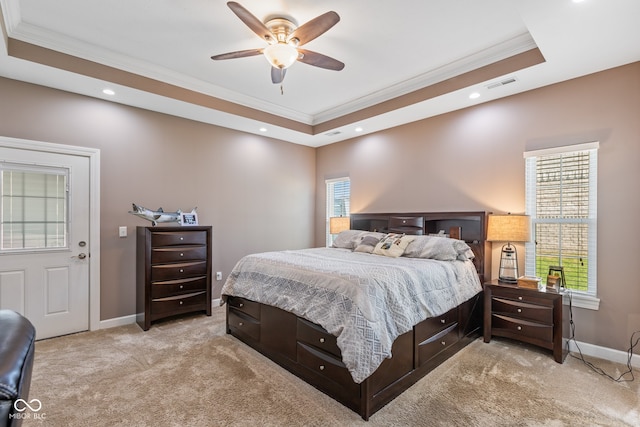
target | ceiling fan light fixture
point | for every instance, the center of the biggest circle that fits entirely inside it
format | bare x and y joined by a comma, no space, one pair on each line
281,55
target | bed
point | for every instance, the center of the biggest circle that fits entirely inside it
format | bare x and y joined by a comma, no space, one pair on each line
364,320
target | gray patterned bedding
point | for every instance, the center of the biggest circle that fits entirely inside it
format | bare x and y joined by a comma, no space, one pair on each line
365,300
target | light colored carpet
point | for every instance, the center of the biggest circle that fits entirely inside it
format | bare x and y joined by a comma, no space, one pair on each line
188,372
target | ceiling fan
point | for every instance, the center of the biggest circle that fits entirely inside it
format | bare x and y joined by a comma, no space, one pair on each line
285,39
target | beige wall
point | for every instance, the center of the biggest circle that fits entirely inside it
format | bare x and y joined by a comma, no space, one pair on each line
257,193
472,160
261,194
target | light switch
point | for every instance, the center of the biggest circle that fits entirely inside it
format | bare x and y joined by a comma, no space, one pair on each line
122,231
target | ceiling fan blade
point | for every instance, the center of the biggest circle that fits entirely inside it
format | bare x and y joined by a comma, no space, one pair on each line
237,54
319,60
312,29
256,25
277,74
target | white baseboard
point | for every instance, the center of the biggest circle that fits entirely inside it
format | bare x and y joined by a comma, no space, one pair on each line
604,353
127,320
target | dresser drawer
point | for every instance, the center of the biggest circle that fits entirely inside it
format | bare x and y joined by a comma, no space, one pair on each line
316,336
246,306
523,329
436,343
432,326
178,270
172,238
179,303
523,310
241,324
175,287
324,364
178,254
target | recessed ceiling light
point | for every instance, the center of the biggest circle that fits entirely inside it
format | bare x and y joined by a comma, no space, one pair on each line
108,92
359,129
474,95
263,129
578,1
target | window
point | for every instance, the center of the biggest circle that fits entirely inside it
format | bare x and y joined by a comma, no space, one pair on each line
561,200
338,195
33,208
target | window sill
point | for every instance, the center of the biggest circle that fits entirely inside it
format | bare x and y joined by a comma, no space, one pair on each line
581,300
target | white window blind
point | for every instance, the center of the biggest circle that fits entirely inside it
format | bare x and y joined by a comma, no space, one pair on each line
561,200
338,196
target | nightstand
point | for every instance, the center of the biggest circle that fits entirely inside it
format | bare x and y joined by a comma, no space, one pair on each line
534,316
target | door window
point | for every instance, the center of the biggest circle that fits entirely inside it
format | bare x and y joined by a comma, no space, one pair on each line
34,211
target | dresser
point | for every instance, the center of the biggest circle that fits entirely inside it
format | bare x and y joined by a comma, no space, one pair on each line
173,269
534,316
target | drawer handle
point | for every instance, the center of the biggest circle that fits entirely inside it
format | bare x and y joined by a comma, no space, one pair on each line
519,328
519,310
240,323
181,270
241,305
520,298
181,303
181,238
442,321
322,367
181,254
443,343
181,286
321,339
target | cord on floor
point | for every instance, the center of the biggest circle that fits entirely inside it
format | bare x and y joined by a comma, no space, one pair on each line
632,344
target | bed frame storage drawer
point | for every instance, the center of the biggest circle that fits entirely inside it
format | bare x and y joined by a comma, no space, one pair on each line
316,336
433,345
431,326
327,366
242,324
246,306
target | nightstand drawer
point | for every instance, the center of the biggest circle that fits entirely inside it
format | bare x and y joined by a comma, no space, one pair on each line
522,328
178,270
178,254
317,337
172,238
523,310
522,295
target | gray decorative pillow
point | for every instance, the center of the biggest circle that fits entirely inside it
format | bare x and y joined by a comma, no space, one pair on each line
347,239
367,243
439,248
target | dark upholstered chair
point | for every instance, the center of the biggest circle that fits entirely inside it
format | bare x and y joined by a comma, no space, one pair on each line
17,338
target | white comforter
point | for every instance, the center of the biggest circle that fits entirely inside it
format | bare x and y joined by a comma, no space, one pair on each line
365,300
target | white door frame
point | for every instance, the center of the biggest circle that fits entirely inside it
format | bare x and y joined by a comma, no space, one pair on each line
93,154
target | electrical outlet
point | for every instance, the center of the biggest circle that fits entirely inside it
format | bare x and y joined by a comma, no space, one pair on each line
219,275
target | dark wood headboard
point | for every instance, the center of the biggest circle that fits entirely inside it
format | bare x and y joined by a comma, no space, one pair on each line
471,226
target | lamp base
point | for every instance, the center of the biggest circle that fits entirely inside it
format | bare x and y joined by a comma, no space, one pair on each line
510,280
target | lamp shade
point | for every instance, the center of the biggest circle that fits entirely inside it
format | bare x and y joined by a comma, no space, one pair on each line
338,224
508,228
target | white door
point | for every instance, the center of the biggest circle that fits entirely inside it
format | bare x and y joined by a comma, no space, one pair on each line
44,239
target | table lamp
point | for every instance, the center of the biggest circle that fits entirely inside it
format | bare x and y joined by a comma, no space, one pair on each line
508,228
338,224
